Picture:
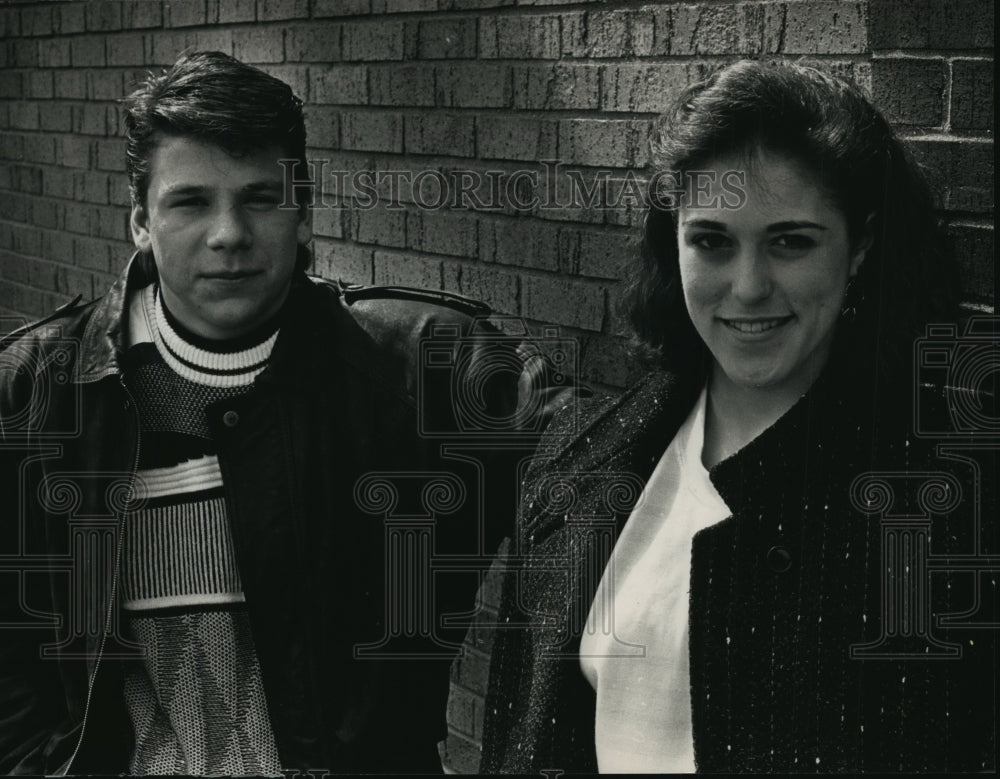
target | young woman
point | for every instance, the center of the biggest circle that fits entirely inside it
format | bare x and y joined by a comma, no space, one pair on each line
705,573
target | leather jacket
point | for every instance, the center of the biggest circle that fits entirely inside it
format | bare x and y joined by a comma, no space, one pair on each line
338,467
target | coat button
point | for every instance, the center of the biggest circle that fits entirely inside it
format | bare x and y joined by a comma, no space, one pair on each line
779,558
230,419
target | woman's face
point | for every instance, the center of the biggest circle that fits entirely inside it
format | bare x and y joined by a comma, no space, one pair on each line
764,283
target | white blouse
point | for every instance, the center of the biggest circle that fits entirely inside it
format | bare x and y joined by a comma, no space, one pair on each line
634,650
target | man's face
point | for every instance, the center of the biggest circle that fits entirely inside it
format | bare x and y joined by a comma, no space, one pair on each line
225,252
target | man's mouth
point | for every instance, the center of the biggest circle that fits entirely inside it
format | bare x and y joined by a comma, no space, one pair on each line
757,325
231,275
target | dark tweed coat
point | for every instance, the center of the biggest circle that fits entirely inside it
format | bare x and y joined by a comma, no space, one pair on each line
780,592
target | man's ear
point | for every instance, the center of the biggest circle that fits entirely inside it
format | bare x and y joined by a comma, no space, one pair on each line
139,223
304,231
862,247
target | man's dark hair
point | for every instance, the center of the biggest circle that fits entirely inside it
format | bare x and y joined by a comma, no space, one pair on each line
830,128
215,98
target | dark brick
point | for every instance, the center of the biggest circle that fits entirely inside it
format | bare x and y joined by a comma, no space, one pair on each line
185,13
54,117
519,37
38,84
460,755
642,88
973,248
407,270
910,91
380,225
112,222
483,282
615,34
341,7
26,240
296,76
110,154
39,148
259,44
972,95
572,302
57,182
607,360
440,134
461,713
71,84
24,116
167,47
25,53
371,131
91,253
37,20
319,42
608,142
104,15
10,23
90,119
930,24
343,262
90,186
53,53
274,10
559,86
24,300
474,85
821,27
523,242
47,213
72,18
141,14
105,85
961,172
10,85
516,138
442,232
446,39
126,50
231,11
79,218
375,40
11,146
87,52
13,268
15,207
402,6
339,84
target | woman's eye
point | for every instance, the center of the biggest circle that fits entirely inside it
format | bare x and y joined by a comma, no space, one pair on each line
710,241
794,242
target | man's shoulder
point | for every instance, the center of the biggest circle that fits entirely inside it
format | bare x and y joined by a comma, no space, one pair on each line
63,325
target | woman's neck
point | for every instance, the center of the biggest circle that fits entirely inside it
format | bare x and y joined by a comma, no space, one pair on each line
735,415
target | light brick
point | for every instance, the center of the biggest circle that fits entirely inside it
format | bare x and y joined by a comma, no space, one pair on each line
474,85
443,232
819,27
72,18
53,53
522,241
185,13
716,29
126,50
402,85
259,44
440,134
38,84
343,262
407,270
515,138
339,84
24,116
446,39
602,255
110,154
104,15
559,86
340,8
372,131
140,14
319,42
71,84
275,10
572,302
519,37
322,126
87,52
499,288
231,11
618,34
606,142
642,88
376,40
54,117
380,225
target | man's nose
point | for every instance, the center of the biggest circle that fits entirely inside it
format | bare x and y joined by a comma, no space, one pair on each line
752,280
229,230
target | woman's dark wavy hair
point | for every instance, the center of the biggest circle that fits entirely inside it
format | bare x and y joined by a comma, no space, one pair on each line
831,128
216,98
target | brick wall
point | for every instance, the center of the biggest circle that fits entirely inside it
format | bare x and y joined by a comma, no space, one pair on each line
484,86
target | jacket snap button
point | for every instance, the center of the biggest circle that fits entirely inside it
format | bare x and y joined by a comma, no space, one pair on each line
779,559
230,419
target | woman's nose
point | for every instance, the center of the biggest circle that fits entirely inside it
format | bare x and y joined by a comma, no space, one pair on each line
751,276
229,230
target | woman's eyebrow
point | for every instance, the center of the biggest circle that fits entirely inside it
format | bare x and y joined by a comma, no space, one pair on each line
705,224
780,227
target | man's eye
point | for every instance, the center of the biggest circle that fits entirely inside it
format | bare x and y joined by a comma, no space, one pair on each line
710,241
189,202
794,242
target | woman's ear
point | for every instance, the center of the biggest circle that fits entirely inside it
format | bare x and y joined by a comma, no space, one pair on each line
863,245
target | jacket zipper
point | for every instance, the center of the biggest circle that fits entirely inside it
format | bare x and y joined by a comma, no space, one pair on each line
115,575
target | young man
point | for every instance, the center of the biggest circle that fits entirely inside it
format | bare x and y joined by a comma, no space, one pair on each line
241,411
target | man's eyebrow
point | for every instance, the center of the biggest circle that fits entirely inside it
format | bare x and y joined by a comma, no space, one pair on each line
272,185
780,227
184,189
